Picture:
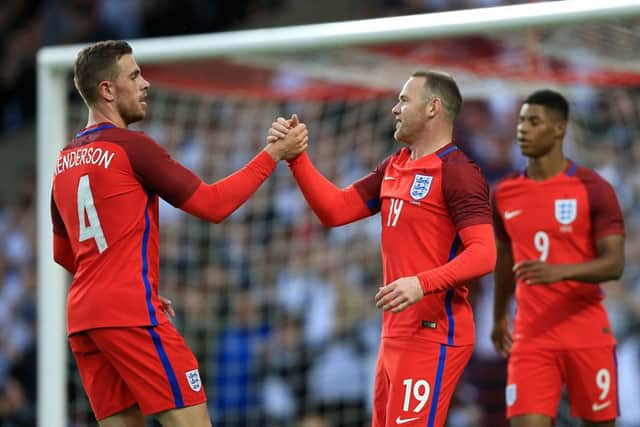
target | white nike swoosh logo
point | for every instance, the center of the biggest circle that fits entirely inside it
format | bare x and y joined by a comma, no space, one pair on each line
406,420
600,406
512,214
390,177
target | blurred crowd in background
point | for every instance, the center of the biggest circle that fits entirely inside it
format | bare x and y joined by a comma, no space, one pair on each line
279,310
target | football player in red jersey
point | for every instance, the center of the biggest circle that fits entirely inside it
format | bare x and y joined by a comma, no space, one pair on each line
436,238
104,210
560,233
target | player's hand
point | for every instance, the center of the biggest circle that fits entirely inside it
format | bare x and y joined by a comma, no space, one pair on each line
399,294
294,141
501,337
535,272
167,306
280,128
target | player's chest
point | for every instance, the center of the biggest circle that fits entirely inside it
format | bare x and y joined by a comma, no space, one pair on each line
411,197
556,210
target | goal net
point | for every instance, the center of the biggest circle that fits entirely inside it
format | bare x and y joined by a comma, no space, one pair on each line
279,310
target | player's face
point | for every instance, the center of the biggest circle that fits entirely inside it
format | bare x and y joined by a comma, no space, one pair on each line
131,90
410,112
538,130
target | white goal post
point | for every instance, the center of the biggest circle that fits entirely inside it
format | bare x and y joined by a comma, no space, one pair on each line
54,64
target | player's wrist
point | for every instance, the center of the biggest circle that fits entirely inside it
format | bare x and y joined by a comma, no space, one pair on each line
423,279
563,272
297,160
274,151
499,318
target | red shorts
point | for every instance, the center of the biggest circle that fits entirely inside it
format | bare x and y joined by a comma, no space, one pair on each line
535,379
415,381
151,367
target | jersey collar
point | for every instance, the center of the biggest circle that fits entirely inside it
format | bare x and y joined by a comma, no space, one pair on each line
95,128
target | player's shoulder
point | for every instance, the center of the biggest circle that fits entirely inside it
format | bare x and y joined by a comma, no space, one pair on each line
595,185
588,175
120,136
455,162
453,156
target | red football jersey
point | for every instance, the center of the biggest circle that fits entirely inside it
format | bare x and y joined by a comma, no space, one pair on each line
423,203
105,204
559,221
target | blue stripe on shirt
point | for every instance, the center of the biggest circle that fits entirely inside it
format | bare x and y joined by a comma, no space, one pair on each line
145,265
455,246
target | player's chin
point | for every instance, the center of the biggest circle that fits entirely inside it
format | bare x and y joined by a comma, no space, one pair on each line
138,115
528,151
399,137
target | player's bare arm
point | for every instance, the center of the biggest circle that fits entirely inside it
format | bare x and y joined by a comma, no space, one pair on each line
504,285
608,265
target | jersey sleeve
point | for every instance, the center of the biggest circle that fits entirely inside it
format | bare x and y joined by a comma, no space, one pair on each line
214,202
466,193
368,187
158,171
334,206
606,215
476,259
498,225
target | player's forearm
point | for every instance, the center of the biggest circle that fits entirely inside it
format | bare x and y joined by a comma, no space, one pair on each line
504,280
599,270
214,202
476,259
332,205
504,284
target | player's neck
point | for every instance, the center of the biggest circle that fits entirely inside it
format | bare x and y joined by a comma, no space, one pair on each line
430,143
546,167
100,115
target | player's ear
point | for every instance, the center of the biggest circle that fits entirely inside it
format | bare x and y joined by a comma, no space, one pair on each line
106,90
559,129
433,106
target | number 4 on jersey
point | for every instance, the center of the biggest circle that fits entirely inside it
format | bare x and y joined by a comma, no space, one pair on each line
92,230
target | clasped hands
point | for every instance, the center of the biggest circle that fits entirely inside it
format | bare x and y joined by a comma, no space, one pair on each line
287,138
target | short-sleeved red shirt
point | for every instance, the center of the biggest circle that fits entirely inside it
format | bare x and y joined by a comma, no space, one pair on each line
558,220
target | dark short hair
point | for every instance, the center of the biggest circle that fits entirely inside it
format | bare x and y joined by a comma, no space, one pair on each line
443,86
551,100
96,63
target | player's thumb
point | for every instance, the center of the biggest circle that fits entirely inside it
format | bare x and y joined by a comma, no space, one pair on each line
294,120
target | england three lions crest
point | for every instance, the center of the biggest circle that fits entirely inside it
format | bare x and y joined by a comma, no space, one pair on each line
193,378
566,210
421,186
